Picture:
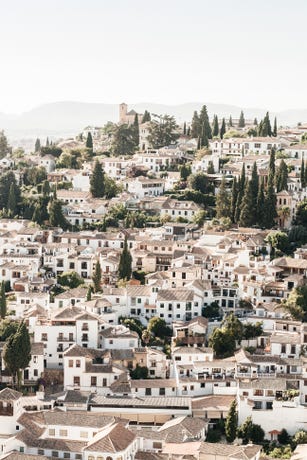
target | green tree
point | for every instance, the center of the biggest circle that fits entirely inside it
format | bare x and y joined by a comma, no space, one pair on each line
223,343
300,437
56,216
140,372
281,177
97,277
37,146
269,210
260,215
296,303
97,181
146,117
185,171
9,185
210,169
136,131
231,423
163,131
301,213
11,202
250,330
7,328
247,213
17,352
249,431
223,208
2,300
241,189
123,142
255,122
205,128
279,243
89,141
241,123
70,279
200,183
215,127
4,146
157,326
271,174
233,326
230,123
211,311
195,126
223,128
51,150
234,198
283,437
255,187
184,131
303,173
275,128
125,262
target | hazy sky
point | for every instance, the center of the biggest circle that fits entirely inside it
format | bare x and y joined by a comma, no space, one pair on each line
243,52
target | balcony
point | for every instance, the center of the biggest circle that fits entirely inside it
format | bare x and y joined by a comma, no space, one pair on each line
65,339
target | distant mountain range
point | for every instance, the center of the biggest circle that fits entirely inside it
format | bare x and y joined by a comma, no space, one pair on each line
62,119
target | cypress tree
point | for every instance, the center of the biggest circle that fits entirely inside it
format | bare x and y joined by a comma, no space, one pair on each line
303,174
215,128
184,128
260,205
11,202
247,214
223,129
234,197
254,187
189,131
223,208
231,423
275,128
195,126
206,132
37,146
241,123
241,189
270,212
89,141
97,277
125,262
271,174
146,117
281,177
136,131
2,300
97,182
230,123
255,122
47,142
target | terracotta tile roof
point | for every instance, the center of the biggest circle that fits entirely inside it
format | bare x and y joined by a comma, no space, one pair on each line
114,439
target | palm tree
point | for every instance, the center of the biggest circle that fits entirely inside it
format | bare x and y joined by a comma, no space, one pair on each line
283,214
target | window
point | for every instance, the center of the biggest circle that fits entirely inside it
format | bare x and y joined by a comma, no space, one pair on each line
54,453
51,432
78,456
44,337
283,348
257,405
93,381
40,451
77,381
63,433
162,391
90,457
71,363
148,391
78,363
21,449
83,434
157,445
293,349
66,454
104,382
35,373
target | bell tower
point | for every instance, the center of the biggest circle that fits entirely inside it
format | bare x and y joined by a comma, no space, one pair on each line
123,109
